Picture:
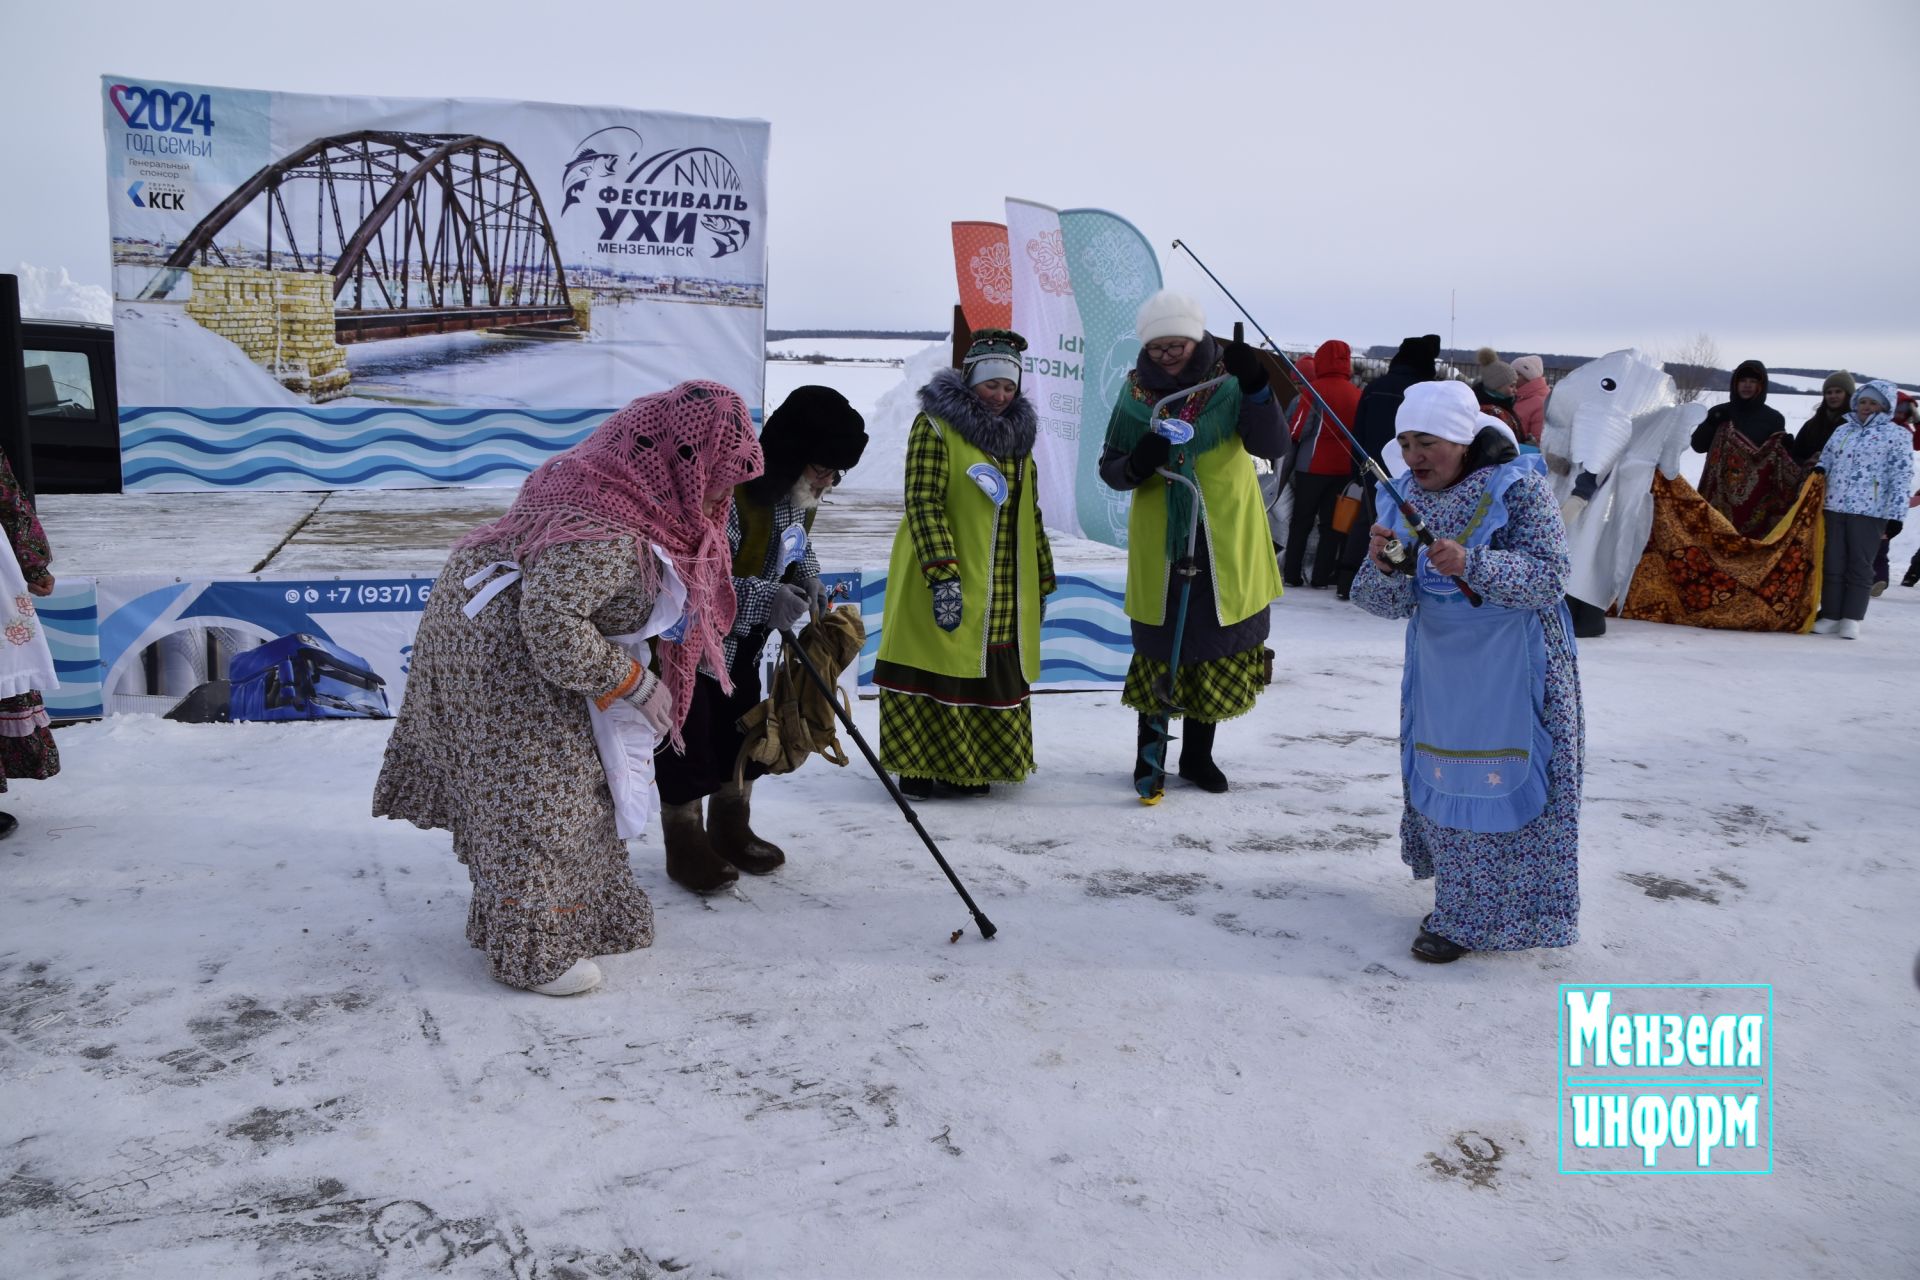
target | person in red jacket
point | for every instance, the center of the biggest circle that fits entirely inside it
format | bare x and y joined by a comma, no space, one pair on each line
1322,463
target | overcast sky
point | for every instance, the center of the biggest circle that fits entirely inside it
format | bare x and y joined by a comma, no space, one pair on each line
1579,177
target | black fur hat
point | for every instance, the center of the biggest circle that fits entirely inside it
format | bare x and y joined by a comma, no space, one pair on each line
813,425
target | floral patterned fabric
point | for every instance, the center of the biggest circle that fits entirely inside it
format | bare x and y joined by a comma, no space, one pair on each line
1511,890
493,743
1752,485
27,749
1697,570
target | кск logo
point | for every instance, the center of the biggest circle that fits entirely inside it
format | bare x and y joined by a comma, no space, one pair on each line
657,202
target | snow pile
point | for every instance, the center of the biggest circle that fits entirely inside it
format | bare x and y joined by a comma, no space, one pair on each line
164,357
49,293
884,468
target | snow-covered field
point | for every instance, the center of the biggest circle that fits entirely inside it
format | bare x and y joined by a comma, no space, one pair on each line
244,1035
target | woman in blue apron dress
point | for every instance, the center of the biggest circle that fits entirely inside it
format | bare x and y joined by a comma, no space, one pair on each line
1492,738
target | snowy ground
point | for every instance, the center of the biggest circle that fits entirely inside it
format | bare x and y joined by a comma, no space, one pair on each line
245,1037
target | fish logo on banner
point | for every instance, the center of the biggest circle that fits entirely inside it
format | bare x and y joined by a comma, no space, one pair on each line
1114,270
657,204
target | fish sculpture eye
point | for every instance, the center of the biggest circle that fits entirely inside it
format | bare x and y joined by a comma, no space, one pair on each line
1608,384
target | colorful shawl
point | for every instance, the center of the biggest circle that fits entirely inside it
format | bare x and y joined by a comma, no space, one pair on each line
1697,570
1752,485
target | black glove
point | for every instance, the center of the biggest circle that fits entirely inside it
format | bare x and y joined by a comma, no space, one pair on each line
1244,364
1149,455
1894,527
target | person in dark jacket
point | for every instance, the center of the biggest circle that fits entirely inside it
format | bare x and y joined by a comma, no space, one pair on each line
1836,393
1493,389
1746,408
808,443
1751,475
1373,426
1324,463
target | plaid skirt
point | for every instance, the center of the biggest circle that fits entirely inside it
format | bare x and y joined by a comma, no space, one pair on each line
959,731
1216,690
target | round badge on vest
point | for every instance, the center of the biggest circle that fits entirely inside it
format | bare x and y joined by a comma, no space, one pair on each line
991,482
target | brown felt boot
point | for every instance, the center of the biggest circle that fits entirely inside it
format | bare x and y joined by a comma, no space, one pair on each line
732,838
691,861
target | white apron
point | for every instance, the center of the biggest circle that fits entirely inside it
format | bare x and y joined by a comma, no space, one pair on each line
26,664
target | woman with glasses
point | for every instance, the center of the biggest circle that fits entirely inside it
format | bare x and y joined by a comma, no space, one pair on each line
1223,640
971,568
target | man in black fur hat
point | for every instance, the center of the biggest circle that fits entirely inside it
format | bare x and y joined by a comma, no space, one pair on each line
809,442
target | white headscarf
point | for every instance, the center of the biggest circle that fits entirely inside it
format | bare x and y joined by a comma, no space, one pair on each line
1446,411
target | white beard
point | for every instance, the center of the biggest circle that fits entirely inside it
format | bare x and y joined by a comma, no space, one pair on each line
802,495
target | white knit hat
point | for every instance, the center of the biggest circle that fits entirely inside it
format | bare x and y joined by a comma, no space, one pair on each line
1446,410
1529,367
1169,315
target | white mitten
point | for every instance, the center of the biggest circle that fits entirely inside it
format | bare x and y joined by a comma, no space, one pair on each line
1570,509
654,701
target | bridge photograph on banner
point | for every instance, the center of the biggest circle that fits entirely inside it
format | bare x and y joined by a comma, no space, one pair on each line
327,292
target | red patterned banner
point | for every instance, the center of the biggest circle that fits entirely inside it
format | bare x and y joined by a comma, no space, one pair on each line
985,272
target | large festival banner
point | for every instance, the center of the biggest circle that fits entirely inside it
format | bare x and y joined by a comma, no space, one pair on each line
1044,313
1114,270
984,269
323,292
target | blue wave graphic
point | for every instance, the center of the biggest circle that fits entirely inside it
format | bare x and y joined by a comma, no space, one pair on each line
86,613
89,666
349,417
1052,669
138,441
137,474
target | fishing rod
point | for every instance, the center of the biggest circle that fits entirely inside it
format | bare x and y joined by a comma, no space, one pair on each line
1418,527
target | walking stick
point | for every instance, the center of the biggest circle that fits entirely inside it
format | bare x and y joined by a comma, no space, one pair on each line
985,925
1421,533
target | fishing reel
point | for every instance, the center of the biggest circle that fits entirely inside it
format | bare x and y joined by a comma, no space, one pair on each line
1398,555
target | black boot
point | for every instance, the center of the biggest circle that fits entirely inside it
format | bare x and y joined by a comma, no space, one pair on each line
1435,949
1196,757
7,824
732,838
916,788
691,861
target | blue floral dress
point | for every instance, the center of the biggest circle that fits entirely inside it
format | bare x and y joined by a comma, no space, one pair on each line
1509,890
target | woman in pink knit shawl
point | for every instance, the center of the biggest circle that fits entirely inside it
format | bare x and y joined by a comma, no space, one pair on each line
495,741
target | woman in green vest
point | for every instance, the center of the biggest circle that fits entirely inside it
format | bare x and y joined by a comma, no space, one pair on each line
960,643
1222,649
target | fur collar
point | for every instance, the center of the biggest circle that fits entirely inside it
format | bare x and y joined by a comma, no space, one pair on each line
1010,435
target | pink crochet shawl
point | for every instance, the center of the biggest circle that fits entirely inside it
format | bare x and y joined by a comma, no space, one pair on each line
646,472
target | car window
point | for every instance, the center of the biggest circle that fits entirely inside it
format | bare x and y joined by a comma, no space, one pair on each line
59,384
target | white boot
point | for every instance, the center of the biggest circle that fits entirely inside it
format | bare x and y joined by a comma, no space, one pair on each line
1849,629
1826,626
583,976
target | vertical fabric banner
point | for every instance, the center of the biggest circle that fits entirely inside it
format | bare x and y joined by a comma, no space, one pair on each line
985,272
1044,313
1114,270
